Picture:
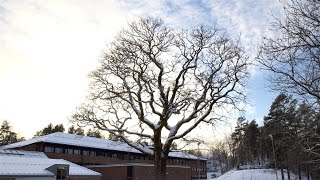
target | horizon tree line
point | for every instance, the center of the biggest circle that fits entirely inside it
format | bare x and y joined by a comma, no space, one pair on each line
294,127
8,136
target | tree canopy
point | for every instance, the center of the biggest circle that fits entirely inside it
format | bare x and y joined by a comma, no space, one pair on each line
292,55
157,84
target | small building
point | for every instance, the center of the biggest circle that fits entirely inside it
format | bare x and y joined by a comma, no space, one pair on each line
106,156
25,165
213,168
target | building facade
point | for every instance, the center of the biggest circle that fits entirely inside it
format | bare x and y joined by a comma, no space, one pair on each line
112,158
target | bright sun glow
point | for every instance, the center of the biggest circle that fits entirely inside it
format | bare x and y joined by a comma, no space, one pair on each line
47,50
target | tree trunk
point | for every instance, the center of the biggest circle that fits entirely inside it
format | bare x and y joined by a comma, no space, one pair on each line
160,168
282,174
160,158
288,171
299,171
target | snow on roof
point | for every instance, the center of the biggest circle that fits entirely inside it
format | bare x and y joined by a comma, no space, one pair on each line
181,154
91,142
27,166
20,153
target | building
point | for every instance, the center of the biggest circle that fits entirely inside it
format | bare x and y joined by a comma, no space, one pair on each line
213,168
112,158
214,165
28,165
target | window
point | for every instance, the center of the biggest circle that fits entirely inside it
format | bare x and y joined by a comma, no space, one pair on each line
100,153
85,153
58,150
61,174
76,151
126,157
48,149
107,154
92,153
69,151
120,156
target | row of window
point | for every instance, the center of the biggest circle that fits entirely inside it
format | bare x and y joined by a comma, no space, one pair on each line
198,169
199,176
49,149
123,156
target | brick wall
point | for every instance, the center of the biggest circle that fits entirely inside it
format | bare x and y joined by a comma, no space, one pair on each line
142,173
196,167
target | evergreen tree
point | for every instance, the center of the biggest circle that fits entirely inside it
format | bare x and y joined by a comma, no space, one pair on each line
278,123
308,139
251,134
50,129
58,128
237,141
94,133
115,138
7,136
295,131
77,131
265,146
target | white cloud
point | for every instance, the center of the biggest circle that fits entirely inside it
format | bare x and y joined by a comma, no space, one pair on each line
248,19
47,48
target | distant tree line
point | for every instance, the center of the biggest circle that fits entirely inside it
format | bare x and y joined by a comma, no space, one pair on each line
295,130
72,130
8,136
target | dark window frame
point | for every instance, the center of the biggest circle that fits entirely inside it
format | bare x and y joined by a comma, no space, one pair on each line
46,149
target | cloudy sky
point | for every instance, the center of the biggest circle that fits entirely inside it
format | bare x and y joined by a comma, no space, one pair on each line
47,49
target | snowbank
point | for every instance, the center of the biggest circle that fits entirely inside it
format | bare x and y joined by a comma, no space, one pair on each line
253,174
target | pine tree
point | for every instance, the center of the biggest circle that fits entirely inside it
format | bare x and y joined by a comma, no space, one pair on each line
278,123
7,136
77,131
94,133
308,138
251,134
50,129
237,141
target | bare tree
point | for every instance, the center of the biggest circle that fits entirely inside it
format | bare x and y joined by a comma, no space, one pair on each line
158,84
220,152
293,54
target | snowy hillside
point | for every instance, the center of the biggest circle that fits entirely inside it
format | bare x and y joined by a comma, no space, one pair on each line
253,174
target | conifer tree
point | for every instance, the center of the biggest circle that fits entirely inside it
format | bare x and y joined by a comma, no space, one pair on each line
7,136
77,131
50,129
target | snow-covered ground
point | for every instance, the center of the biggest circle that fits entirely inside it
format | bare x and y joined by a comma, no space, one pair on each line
253,174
